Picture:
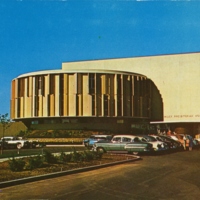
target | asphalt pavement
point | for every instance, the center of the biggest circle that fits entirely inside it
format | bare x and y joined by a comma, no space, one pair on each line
171,176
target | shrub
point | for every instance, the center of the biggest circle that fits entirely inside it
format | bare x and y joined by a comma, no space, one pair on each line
35,162
76,156
49,157
89,155
92,155
65,157
98,155
16,164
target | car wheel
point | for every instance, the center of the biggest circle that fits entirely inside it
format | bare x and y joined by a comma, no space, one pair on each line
33,145
19,145
100,150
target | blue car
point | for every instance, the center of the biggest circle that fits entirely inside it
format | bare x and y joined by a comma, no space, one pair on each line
89,142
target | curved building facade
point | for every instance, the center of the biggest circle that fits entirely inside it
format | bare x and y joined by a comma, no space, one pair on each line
93,99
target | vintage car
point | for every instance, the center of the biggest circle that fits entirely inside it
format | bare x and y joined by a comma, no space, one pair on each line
158,138
157,145
180,138
89,142
123,144
174,143
17,142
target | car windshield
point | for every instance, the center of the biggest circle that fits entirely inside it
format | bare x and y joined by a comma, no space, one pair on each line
165,139
7,139
159,139
150,139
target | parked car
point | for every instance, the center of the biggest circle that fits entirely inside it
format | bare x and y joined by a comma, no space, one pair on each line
157,145
89,142
168,144
123,144
174,137
174,143
180,138
9,142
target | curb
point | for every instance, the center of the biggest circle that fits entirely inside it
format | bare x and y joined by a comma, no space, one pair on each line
63,173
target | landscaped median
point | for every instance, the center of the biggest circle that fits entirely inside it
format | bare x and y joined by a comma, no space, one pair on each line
52,169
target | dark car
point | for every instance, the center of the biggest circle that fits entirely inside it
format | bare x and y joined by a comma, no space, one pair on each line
174,143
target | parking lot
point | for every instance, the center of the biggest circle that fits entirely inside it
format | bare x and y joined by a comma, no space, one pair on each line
168,176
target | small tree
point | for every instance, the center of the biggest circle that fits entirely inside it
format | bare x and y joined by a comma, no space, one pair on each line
16,165
5,122
35,162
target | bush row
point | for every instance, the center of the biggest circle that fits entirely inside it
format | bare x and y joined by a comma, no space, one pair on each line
38,161
58,140
57,133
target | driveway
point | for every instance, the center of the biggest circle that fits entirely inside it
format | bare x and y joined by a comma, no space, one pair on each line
170,176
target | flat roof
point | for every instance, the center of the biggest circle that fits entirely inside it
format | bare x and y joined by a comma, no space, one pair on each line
82,70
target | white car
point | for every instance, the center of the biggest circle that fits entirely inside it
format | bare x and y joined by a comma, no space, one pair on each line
157,145
173,137
168,144
14,142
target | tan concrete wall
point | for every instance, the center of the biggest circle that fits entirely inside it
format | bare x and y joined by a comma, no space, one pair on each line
176,76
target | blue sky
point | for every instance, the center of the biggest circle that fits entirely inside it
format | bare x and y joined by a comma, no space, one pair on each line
38,35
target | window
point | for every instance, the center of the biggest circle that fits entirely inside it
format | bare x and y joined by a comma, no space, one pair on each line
105,105
61,99
125,139
91,83
117,139
21,87
120,121
93,105
36,105
41,85
52,84
136,139
119,95
35,122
